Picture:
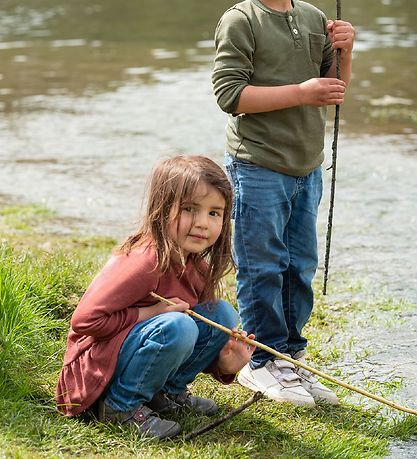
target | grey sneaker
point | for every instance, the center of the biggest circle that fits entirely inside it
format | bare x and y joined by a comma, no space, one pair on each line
168,403
144,420
200,405
162,404
312,385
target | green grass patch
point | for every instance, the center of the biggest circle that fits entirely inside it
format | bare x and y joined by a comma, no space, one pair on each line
43,274
25,217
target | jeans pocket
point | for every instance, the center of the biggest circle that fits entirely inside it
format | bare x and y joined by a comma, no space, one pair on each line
317,41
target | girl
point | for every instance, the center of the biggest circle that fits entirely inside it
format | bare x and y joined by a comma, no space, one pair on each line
130,355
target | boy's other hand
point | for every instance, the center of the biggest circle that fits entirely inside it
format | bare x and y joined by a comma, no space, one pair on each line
322,91
342,34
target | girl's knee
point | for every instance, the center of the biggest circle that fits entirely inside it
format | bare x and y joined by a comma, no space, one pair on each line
181,331
221,312
227,314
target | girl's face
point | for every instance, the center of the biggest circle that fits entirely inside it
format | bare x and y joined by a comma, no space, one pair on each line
200,220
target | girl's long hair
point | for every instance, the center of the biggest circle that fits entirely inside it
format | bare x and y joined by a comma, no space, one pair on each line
174,181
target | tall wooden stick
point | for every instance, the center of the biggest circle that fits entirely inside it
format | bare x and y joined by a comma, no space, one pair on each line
333,166
289,359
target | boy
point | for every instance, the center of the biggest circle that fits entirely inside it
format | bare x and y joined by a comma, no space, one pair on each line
274,74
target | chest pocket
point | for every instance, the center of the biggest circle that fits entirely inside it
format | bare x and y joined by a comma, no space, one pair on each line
317,41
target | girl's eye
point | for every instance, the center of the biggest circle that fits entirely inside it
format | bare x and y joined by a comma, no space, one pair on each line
188,209
214,213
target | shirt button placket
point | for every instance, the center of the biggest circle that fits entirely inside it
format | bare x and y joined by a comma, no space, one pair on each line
295,32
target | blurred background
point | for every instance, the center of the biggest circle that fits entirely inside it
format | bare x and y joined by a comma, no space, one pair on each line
94,92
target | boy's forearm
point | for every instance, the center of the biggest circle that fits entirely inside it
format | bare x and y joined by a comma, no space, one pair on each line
315,91
257,99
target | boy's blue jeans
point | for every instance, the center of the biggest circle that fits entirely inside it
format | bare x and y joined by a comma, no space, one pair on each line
166,353
275,248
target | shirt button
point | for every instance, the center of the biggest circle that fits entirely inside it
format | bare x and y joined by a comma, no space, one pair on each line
295,31
290,18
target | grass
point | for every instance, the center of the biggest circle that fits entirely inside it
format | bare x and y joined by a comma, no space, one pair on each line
42,275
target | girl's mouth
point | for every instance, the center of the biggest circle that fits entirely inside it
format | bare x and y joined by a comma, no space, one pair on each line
197,236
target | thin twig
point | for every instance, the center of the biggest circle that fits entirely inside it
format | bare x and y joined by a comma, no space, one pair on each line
332,167
297,363
224,418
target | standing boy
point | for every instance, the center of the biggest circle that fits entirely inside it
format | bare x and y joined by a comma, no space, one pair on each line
274,74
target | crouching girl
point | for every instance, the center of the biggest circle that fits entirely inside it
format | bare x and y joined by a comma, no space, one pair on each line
131,356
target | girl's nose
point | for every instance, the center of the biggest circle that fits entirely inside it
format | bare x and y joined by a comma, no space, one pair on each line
201,220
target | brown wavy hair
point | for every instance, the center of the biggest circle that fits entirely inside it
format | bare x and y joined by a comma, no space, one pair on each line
173,182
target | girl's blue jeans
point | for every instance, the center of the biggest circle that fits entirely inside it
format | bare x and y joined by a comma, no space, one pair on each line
166,353
275,249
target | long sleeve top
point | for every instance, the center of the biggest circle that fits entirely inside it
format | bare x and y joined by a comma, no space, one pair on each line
107,312
258,46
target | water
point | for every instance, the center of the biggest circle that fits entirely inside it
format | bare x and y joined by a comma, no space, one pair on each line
93,93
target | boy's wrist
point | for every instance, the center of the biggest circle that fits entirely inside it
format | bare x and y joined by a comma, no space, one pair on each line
300,94
344,52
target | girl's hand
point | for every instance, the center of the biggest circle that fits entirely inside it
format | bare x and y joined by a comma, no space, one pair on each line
342,34
180,306
161,308
235,354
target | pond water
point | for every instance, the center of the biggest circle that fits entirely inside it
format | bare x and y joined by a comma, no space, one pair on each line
93,93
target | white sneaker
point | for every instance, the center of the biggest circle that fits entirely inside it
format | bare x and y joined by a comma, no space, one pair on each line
277,381
315,388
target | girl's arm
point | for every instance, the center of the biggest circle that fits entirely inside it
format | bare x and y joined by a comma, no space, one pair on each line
160,308
107,307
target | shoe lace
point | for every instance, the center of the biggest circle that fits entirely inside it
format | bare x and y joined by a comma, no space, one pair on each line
182,397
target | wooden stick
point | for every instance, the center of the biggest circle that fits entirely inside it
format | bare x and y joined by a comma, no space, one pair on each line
332,167
252,342
224,418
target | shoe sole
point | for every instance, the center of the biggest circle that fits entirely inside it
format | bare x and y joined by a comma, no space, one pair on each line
175,430
252,386
326,401
171,434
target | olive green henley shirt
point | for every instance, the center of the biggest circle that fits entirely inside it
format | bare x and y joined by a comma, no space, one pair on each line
258,46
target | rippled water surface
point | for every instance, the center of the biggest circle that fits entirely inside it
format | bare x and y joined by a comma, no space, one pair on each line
93,93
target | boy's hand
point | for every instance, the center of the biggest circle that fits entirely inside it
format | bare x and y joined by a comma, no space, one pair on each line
342,35
235,354
322,91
